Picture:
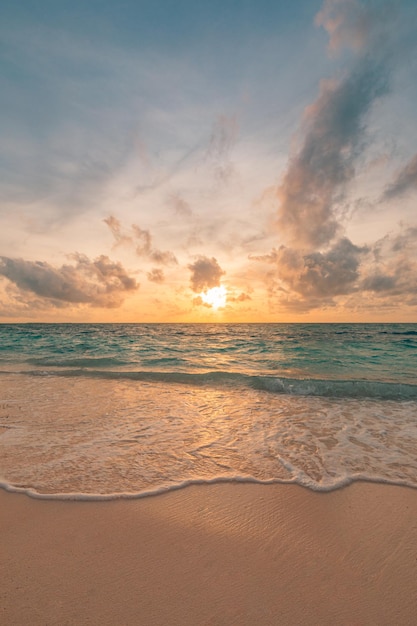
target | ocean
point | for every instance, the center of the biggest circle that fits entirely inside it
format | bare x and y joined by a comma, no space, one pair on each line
101,411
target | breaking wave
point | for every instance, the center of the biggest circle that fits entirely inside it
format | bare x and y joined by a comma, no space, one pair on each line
326,388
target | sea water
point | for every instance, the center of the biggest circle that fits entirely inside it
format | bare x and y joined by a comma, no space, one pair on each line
123,410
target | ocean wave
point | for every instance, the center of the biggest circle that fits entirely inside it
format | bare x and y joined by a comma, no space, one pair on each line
121,438
77,362
328,388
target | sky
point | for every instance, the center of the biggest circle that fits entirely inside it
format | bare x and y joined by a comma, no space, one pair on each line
222,161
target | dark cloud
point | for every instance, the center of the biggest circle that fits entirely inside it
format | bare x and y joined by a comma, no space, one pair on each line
205,274
320,266
16,303
405,242
320,274
142,240
405,180
334,128
99,283
156,275
386,270
325,163
379,282
392,270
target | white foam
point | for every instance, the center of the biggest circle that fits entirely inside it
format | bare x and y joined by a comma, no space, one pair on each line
83,439
105,497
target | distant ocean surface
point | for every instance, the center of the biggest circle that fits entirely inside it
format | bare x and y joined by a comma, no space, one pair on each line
122,410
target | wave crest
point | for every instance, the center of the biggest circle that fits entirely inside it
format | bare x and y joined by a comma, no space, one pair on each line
327,388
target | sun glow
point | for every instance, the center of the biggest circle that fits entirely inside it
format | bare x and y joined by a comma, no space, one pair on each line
215,297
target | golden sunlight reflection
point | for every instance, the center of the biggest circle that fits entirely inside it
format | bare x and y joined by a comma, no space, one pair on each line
215,297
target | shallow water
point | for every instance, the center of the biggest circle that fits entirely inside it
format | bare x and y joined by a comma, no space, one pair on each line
118,410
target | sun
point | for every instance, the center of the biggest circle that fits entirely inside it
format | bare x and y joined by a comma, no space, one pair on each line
215,297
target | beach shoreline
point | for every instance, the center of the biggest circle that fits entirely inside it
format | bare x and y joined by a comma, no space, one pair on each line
218,554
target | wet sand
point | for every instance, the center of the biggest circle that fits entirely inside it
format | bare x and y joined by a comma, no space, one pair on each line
226,554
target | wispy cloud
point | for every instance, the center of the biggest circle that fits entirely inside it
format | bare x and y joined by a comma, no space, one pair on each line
195,170
319,265
404,181
141,239
222,140
355,24
71,121
179,204
315,177
392,268
334,129
121,238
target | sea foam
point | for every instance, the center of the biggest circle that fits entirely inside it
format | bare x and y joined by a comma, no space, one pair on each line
122,410
81,438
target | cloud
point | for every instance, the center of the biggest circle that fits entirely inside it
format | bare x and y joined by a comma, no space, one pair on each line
353,24
325,163
71,131
320,274
242,297
222,140
15,303
384,271
98,283
180,206
393,268
116,229
319,267
198,301
405,180
205,274
156,276
334,128
142,239
164,258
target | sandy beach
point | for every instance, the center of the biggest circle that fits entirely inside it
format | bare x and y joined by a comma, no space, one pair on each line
213,555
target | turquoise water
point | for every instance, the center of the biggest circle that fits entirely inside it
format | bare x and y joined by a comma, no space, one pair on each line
380,359
125,409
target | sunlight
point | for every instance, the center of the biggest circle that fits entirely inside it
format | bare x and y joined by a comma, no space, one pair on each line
215,297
